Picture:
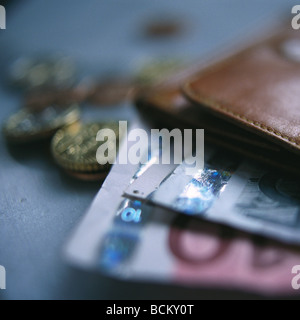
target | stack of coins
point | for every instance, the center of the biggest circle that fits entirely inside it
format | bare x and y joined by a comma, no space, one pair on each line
74,149
51,111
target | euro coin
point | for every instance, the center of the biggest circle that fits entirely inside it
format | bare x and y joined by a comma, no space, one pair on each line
31,125
74,148
49,71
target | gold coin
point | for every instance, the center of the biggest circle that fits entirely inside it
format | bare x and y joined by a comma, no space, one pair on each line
31,125
74,148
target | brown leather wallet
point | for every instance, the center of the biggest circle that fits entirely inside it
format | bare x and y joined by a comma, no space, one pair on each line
248,102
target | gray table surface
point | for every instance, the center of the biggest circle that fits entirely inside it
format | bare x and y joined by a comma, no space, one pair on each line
39,205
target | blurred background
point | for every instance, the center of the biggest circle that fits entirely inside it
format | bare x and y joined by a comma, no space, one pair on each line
39,204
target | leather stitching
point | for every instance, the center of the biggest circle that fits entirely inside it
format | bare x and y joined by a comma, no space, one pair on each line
254,123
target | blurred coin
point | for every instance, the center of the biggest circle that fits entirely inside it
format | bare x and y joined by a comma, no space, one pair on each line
110,92
49,71
165,28
74,148
39,99
156,71
32,125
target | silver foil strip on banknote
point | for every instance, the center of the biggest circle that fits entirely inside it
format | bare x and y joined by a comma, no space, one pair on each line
233,192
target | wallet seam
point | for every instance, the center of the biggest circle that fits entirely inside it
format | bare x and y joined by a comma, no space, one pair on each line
216,105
